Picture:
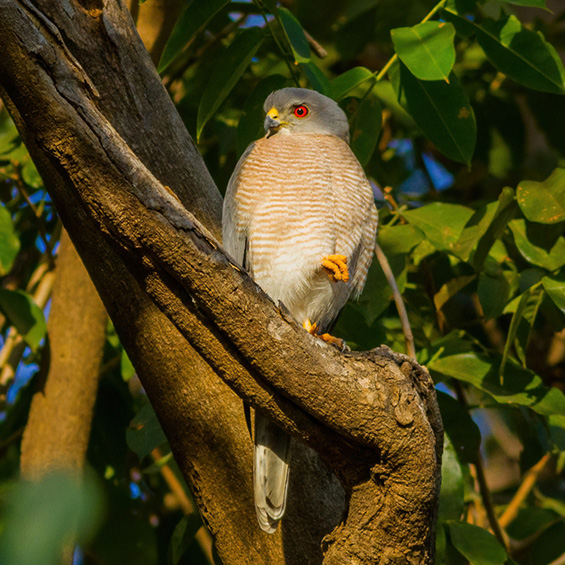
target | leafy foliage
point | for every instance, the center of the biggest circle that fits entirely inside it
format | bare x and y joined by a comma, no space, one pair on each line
456,112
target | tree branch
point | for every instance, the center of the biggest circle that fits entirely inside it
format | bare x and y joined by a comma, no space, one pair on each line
372,416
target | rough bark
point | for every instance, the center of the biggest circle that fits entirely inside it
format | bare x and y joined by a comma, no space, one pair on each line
373,417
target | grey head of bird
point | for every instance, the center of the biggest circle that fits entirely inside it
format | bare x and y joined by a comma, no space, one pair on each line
303,111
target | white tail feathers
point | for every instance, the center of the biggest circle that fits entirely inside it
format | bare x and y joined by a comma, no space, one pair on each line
270,472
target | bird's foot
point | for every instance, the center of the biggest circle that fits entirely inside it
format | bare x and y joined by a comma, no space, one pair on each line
312,329
336,267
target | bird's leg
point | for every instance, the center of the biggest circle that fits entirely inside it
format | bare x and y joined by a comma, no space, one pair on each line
313,330
336,267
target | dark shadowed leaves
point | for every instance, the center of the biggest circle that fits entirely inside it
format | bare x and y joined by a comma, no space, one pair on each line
462,430
194,17
250,127
365,128
227,72
441,110
24,314
145,433
522,54
295,35
476,544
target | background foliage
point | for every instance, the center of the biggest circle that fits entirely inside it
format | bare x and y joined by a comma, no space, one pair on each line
457,113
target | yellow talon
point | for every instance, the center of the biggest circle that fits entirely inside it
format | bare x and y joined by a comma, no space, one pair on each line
312,329
336,267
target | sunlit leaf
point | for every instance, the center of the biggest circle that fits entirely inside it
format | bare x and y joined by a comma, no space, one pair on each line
535,254
555,288
145,433
194,16
442,223
399,239
476,544
295,35
9,241
441,110
426,49
24,314
543,201
227,72
451,288
516,317
348,81
521,386
365,128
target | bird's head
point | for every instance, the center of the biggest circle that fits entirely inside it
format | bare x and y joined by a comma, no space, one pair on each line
303,111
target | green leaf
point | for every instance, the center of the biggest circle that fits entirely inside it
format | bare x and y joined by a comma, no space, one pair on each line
9,241
555,288
485,226
451,502
426,49
522,54
476,544
494,292
441,110
399,239
195,16
25,315
348,81
126,368
295,35
449,289
521,386
442,223
543,201
183,536
250,127
227,72
316,77
530,3
533,253
145,433
461,429
366,128
512,330
42,516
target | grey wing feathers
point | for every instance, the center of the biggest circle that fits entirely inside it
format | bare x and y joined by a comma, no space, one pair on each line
234,241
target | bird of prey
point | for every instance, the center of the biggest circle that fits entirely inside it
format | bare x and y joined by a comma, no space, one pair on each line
299,215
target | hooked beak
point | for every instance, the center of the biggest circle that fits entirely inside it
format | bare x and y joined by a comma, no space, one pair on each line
272,122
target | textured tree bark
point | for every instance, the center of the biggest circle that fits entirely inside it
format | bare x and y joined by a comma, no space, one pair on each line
373,417
58,428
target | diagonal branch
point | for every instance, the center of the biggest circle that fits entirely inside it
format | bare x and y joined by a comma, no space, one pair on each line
372,416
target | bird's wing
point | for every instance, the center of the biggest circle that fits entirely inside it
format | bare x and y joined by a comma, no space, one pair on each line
234,237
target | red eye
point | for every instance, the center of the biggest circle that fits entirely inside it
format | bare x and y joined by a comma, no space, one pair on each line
301,111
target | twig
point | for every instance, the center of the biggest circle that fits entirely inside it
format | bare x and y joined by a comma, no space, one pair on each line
523,491
315,46
408,337
202,536
497,530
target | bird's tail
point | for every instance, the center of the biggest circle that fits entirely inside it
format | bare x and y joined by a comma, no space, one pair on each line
270,472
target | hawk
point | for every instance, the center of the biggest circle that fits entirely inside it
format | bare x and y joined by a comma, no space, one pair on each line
299,215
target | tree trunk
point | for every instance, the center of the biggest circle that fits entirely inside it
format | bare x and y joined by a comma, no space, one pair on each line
80,103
